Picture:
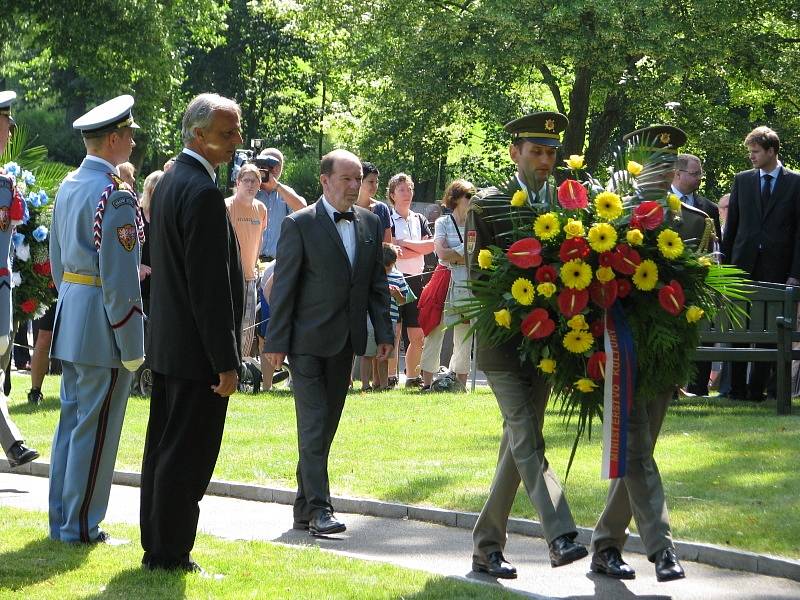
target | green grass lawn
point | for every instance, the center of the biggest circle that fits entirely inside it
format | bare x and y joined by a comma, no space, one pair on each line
730,469
33,566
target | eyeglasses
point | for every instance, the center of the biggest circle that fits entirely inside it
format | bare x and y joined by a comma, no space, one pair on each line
699,174
249,180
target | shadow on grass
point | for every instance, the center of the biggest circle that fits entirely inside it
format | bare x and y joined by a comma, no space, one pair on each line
39,560
140,583
477,588
419,489
49,404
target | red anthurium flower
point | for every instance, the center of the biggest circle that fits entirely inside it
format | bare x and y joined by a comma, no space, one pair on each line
29,305
546,274
596,366
636,223
537,324
597,328
606,259
671,298
572,195
603,294
42,268
623,287
573,248
650,214
625,259
525,253
572,301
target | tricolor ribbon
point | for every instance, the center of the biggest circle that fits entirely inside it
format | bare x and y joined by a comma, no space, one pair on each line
620,382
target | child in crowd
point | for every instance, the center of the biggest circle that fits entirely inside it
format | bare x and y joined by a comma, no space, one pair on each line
399,293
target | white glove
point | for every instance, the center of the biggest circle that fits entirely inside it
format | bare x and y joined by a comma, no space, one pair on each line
4,339
134,364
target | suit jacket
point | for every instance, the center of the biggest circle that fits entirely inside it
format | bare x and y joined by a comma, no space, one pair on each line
318,299
764,242
197,285
712,210
102,324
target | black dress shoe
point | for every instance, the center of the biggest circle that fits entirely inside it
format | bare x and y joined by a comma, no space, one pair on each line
18,454
35,396
609,562
302,525
495,565
564,551
667,565
103,537
324,523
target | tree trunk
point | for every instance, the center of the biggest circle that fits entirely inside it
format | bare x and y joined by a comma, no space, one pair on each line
603,125
575,134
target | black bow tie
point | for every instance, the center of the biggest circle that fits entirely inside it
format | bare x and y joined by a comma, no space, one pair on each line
348,216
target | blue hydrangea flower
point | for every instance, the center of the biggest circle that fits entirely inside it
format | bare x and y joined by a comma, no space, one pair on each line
40,233
27,215
43,198
33,198
17,239
12,168
28,177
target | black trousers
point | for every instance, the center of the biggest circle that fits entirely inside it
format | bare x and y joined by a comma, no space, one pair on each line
320,387
184,434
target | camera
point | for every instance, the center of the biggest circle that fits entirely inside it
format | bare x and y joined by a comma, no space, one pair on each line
264,164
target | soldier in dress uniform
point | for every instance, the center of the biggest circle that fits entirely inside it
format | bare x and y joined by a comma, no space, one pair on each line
640,494
10,203
98,335
521,392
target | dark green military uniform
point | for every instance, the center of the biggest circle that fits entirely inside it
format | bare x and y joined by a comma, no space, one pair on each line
641,493
521,392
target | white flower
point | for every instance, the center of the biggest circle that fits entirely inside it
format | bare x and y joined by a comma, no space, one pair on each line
16,279
23,252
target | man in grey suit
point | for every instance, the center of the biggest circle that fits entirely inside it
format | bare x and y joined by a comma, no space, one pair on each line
98,333
11,439
328,275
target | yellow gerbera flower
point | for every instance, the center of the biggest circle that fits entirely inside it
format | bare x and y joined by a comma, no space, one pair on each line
602,237
670,244
576,274
634,237
546,289
519,198
547,365
577,341
578,322
485,258
646,276
546,226
522,291
694,314
575,161
585,385
608,205
573,228
634,168
604,274
503,318
674,203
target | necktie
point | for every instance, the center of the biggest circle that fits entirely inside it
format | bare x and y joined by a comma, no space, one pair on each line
766,191
348,216
686,200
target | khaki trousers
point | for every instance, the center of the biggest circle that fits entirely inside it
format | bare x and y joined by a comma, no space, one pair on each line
522,399
640,494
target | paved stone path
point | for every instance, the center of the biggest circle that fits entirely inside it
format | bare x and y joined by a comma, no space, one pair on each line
433,548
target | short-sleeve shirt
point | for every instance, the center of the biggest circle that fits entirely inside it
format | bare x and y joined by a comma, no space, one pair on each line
414,227
384,213
249,222
396,278
277,210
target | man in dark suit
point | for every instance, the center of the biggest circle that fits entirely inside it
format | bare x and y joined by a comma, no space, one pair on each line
762,234
685,183
197,298
328,275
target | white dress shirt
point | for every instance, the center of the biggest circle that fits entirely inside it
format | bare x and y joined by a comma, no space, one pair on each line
345,228
209,167
689,198
775,172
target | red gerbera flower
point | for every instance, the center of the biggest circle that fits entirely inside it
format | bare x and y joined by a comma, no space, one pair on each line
597,328
525,253
546,274
573,248
29,305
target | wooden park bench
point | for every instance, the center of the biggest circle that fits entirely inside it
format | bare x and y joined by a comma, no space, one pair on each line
772,320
